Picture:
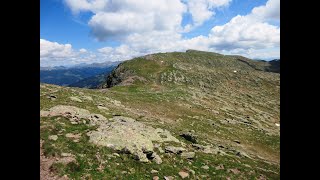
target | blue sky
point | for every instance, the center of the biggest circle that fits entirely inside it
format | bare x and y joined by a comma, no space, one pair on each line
81,31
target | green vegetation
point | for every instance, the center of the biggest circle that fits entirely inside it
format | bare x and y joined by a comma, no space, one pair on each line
225,102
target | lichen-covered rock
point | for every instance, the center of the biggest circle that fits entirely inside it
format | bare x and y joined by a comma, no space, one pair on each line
76,99
156,158
125,134
188,155
74,114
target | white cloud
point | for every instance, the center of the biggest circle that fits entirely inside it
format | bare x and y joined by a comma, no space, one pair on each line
145,26
270,11
55,50
244,32
123,17
53,53
82,50
202,10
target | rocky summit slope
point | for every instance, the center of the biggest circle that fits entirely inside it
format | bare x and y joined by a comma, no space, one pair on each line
192,115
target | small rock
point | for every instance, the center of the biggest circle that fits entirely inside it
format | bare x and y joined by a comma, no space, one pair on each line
237,141
73,136
175,150
156,158
154,171
234,171
242,154
192,171
188,155
168,177
103,108
89,98
206,167
116,154
66,154
155,178
76,99
52,97
198,146
53,137
220,167
183,174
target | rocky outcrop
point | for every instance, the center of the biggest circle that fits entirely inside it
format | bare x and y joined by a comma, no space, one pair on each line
118,75
74,114
127,135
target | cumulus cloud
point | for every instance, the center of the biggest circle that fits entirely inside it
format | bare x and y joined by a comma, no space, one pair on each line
248,35
55,50
270,11
202,10
54,53
120,18
82,50
244,32
145,26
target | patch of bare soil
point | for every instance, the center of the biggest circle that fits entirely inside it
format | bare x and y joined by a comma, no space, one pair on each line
46,163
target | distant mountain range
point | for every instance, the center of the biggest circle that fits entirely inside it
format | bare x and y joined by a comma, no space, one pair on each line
76,76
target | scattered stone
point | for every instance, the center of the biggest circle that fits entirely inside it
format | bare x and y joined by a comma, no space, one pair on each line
242,154
206,167
183,174
261,177
161,150
175,150
73,136
234,171
89,98
66,155
168,177
198,146
74,114
237,141
188,155
220,167
154,171
103,108
76,99
52,97
116,154
53,137
155,178
189,137
156,158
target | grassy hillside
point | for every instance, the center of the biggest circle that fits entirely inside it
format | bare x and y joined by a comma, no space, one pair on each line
224,109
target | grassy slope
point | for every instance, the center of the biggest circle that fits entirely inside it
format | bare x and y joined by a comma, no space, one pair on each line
187,91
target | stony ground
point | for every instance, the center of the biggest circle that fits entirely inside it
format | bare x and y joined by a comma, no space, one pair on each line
106,137
192,115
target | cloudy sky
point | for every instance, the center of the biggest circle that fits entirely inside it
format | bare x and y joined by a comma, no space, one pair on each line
88,31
